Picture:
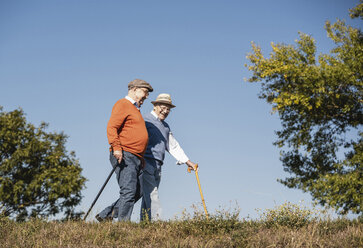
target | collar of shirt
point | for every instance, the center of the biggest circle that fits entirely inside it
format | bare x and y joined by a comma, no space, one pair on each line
132,101
155,115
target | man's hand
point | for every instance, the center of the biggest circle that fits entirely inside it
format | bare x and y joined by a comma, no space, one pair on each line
118,156
192,165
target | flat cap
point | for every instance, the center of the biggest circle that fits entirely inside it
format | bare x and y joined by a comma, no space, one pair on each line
140,84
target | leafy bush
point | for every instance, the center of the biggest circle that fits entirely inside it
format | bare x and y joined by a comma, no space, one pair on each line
288,214
221,222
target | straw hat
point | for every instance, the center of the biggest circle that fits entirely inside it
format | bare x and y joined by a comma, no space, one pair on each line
165,99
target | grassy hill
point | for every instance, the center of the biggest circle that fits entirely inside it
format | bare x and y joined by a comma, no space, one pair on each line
281,227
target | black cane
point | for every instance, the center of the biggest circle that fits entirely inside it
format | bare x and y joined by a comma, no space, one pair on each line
99,193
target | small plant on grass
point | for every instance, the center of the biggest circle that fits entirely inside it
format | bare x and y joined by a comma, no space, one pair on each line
288,214
223,221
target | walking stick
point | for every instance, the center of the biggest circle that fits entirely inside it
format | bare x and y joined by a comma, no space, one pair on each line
99,193
200,190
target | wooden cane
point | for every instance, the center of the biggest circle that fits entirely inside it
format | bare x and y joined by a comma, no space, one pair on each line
200,189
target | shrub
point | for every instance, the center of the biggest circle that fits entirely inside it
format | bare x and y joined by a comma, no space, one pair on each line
288,214
223,221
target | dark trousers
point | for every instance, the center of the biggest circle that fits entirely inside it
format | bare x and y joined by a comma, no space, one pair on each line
129,178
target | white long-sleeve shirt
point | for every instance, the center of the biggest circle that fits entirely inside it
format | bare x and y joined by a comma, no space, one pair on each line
174,148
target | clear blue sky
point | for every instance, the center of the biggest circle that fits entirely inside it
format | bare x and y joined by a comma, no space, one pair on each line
68,62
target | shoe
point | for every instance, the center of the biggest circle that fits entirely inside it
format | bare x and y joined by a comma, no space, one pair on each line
100,219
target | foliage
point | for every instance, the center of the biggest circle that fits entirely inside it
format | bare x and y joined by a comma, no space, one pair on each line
319,101
223,221
38,177
288,214
357,11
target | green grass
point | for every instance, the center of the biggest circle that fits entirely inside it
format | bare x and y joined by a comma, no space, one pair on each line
284,226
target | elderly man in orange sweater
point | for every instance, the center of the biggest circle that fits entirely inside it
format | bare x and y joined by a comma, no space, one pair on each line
128,137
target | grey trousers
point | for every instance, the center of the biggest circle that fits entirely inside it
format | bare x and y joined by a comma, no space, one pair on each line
150,205
129,178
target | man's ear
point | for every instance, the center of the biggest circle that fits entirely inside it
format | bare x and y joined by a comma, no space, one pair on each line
132,90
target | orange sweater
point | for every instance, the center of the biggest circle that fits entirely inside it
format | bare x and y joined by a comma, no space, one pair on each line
126,129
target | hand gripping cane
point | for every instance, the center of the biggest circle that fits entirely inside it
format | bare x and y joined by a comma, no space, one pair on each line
200,190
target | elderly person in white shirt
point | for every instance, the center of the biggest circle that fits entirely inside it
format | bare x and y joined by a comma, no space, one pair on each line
160,140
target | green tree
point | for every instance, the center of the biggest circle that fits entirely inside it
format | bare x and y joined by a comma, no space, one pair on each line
37,176
319,101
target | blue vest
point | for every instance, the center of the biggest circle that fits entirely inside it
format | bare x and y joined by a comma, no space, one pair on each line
158,132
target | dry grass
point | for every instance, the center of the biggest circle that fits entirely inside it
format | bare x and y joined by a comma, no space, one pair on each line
193,232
